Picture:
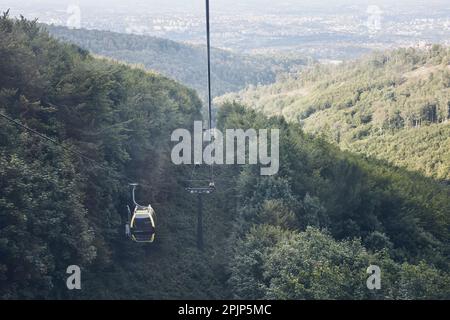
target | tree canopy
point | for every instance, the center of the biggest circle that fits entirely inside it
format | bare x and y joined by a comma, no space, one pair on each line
393,105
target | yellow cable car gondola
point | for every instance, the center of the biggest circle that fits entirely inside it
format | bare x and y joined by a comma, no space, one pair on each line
141,225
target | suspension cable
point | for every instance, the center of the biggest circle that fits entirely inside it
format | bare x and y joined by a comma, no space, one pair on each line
208,48
208,45
70,150
43,136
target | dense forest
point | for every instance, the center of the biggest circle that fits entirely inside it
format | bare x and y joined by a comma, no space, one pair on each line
182,62
57,209
393,105
309,232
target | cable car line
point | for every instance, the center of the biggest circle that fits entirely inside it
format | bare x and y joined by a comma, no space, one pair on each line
193,187
68,149
43,136
208,48
211,185
140,225
81,155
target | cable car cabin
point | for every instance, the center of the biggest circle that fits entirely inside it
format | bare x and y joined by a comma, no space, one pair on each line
142,224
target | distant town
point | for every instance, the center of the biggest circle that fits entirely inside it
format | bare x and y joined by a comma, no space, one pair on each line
332,37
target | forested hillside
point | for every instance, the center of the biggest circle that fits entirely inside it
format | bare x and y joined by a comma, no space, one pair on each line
182,62
309,232
394,105
57,209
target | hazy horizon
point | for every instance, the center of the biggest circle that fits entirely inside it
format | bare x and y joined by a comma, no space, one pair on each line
326,29
247,6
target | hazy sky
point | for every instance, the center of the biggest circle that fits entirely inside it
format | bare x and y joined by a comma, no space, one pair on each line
197,6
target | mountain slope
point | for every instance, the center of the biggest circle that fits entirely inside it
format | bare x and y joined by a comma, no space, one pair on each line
370,105
311,231
182,62
57,209
340,211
